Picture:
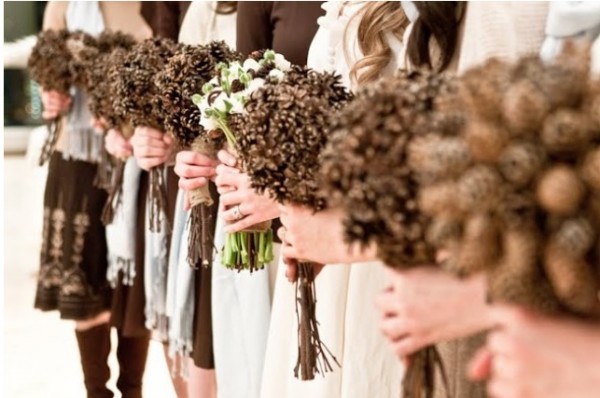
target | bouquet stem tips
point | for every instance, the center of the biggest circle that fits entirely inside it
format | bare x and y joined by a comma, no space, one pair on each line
313,355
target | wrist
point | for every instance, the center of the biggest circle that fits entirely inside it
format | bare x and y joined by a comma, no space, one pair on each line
482,314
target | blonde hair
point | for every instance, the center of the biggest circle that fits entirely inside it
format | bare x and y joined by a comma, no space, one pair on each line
377,19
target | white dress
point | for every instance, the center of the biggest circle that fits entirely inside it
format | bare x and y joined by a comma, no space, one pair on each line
345,293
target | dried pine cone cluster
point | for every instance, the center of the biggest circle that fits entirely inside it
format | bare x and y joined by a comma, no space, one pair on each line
82,47
135,97
108,53
184,75
284,130
221,52
523,203
50,59
365,165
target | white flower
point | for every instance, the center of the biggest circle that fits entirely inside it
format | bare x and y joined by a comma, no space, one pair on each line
203,104
281,63
237,101
235,70
220,103
251,64
254,85
277,74
208,123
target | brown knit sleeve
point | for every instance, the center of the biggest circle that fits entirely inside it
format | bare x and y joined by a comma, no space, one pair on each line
254,30
294,25
55,15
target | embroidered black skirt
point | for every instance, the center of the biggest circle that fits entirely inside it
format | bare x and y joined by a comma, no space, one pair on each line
72,277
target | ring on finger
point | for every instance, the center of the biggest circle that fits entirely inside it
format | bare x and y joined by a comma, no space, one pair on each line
237,213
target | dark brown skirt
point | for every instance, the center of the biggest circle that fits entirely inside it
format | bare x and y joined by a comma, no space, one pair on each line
203,354
72,277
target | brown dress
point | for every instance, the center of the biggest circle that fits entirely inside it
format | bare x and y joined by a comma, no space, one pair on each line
72,277
202,353
127,313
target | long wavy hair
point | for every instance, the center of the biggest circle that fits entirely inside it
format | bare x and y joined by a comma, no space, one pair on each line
441,21
377,19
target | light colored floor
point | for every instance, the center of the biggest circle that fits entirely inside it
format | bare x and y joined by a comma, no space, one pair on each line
41,358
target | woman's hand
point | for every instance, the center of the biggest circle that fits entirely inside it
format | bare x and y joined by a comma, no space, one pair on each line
426,305
55,104
532,356
151,147
117,145
317,237
241,206
194,171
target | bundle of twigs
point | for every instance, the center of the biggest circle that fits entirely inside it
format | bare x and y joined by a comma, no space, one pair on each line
183,76
284,130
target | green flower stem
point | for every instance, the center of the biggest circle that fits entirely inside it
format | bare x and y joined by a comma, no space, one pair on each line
231,140
248,250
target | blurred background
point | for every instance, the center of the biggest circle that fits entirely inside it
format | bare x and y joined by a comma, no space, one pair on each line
41,359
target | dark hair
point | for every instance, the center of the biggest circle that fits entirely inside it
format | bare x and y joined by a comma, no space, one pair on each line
226,7
440,20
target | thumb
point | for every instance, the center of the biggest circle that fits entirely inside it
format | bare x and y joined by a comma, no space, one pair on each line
186,202
168,138
481,365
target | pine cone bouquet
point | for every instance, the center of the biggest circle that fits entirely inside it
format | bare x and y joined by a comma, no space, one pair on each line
373,166
49,66
137,100
533,184
284,130
185,74
101,65
221,104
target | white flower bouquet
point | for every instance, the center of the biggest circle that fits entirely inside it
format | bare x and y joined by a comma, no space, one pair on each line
222,106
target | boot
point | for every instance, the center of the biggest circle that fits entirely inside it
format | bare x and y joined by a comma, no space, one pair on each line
131,354
94,347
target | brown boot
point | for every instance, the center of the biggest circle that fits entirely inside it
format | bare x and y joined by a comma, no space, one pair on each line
94,347
131,354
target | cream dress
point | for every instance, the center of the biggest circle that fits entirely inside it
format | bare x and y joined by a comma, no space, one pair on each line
345,293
